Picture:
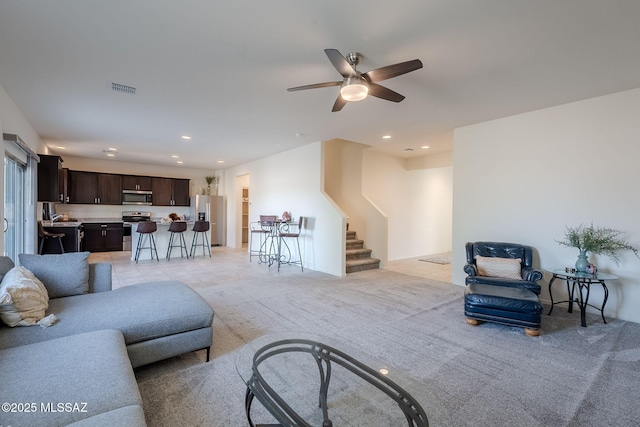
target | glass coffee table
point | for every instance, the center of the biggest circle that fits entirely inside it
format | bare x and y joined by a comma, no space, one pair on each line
308,380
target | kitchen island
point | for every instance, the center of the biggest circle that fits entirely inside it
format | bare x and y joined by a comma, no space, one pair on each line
162,241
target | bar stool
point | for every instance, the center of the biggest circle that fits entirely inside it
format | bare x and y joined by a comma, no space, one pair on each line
146,228
44,235
287,234
263,229
200,228
177,227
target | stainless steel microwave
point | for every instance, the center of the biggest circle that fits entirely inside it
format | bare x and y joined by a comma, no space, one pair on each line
137,197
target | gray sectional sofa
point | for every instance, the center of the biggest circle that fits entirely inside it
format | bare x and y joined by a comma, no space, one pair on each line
79,371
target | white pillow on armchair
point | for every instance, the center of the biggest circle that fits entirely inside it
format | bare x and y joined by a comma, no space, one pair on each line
507,268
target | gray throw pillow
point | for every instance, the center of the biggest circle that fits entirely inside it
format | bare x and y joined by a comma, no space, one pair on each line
5,265
63,275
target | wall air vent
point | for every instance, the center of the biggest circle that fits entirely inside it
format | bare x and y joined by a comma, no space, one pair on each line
119,87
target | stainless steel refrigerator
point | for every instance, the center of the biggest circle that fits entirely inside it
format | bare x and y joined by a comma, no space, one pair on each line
211,208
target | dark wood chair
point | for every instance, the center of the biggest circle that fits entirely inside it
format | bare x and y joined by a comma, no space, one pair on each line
45,235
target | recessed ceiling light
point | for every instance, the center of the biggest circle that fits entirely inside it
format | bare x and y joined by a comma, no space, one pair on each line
186,137
386,137
425,146
113,149
175,156
61,147
111,155
179,162
220,161
384,371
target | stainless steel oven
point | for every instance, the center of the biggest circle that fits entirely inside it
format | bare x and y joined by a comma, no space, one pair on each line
129,218
126,236
137,197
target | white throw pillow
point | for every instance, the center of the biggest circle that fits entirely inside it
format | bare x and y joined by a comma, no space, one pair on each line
508,268
23,299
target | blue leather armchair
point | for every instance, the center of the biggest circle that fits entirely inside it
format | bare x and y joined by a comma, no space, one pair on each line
502,250
502,300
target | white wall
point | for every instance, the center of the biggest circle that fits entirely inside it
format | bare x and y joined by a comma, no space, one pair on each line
417,203
290,181
524,178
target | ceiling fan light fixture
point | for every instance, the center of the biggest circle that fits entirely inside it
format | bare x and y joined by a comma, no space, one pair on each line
354,89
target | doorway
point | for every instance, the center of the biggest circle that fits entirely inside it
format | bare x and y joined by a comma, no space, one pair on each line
242,209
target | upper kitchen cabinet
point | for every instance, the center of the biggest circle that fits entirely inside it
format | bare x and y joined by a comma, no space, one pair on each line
94,188
170,192
49,170
134,182
181,192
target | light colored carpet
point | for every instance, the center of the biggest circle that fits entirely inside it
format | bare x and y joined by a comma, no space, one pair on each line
480,376
444,258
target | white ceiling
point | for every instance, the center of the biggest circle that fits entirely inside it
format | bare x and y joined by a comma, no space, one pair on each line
218,70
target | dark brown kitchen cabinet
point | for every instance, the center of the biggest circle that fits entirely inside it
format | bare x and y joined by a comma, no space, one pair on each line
48,178
170,192
134,182
102,237
181,192
63,185
95,188
162,189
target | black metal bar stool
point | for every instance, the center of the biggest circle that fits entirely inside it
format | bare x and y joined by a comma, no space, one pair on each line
177,227
264,230
200,228
44,235
146,229
287,233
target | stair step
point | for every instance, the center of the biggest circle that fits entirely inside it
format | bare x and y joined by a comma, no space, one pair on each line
355,244
358,253
351,235
353,266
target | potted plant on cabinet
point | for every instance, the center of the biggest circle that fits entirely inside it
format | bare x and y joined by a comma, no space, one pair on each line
211,179
596,240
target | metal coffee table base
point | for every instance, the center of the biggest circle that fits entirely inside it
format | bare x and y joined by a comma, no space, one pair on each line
324,356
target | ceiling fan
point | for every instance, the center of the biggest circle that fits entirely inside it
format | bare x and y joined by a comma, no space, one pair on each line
355,86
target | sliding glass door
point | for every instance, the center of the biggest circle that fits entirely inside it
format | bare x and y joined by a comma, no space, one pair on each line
14,207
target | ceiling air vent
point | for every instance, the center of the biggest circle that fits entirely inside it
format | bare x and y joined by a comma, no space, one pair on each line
119,87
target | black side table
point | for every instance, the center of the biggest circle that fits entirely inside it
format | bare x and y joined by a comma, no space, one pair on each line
583,282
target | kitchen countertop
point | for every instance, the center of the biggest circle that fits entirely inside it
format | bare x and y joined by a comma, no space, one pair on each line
80,221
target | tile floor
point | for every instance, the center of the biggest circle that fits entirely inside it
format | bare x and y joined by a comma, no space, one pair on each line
227,262
415,267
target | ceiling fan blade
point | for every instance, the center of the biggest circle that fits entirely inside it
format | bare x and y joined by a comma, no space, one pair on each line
340,102
384,93
341,63
314,86
394,70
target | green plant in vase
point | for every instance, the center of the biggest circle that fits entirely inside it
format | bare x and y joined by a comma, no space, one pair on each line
210,180
595,240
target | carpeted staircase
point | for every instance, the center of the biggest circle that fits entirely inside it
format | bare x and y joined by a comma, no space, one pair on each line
359,258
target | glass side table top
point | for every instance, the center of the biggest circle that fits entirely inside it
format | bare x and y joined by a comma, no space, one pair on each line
561,273
288,372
